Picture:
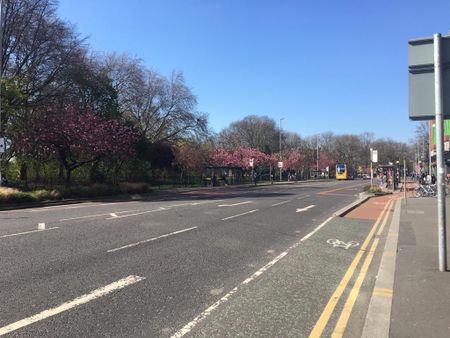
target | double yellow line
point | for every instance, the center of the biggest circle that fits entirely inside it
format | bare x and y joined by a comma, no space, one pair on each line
348,307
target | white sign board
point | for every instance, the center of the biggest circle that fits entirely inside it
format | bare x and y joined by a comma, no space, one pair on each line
280,164
375,156
251,162
2,145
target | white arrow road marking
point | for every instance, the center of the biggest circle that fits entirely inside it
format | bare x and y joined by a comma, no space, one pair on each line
103,291
304,209
96,215
232,205
151,239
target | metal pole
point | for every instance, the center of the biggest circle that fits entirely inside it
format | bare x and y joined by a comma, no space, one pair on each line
404,178
280,147
317,159
438,94
371,168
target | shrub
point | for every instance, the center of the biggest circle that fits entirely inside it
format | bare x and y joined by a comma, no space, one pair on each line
84,191
134,188
372,189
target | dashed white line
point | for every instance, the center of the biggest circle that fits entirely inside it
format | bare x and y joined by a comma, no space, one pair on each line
28,232
232,205
284,202
151,239
202,316
103,291
244,213
302,197
304,209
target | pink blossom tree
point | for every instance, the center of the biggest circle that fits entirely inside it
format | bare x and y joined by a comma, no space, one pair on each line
75,138
240,157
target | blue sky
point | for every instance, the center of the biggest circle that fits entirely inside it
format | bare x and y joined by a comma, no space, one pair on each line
337,66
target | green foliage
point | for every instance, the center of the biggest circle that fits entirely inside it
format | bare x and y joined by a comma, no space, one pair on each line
134,188
372,189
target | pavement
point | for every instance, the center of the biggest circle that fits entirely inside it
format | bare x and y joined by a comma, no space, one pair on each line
411,297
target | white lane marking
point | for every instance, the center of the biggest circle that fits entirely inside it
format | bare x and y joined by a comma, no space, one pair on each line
304,209
167,207
284,202
245,213
232,205
151,239
28,232
302,197
97,215
64,207
103,291
341,244
138,213
415,212
202,316
113,214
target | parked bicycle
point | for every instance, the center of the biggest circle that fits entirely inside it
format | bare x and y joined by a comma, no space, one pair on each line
423,190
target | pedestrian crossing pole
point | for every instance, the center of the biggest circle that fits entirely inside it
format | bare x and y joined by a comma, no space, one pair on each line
438,95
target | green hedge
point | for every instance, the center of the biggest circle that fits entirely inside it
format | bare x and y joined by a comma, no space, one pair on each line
11,195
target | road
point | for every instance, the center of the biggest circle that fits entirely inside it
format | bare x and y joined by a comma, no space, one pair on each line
150,268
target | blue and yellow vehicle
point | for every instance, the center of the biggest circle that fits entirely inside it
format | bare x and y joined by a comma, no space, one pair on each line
344,172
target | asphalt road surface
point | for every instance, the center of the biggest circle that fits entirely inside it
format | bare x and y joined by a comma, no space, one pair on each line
152,268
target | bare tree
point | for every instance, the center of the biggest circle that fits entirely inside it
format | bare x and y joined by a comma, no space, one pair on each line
253,131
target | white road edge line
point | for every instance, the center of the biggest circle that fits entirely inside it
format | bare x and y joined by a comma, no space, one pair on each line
103,291
188,327
284,202
245,213
304,209
232,205
28,232
151,239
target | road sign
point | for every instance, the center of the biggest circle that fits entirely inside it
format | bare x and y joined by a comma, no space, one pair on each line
2,145
280,164
421,78
251,162
374,156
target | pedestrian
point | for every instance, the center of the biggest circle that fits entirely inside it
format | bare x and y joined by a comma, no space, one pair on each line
4,182
214,181
433,179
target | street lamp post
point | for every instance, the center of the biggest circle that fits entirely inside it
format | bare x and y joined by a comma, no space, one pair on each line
281,119
317,159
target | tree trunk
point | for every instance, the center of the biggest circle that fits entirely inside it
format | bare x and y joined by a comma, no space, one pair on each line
68,175
61,174
23,172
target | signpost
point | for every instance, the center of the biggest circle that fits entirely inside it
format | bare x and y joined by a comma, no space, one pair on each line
373,158
429,92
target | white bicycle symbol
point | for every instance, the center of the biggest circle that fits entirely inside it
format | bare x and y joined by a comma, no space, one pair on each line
340,244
